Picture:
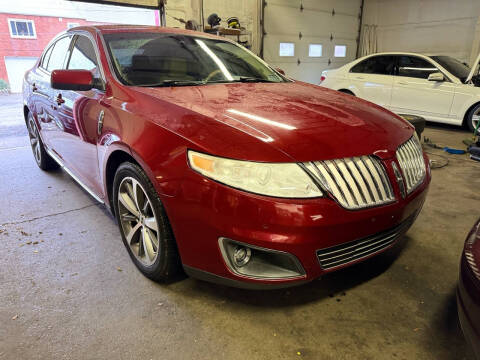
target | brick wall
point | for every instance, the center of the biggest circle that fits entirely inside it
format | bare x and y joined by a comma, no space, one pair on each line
46,27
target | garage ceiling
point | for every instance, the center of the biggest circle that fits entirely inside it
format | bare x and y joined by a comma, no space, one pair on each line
304,22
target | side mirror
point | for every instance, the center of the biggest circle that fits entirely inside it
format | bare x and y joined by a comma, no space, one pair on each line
280,71
436,76
79,80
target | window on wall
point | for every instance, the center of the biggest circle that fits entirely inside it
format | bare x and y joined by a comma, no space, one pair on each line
24,29
340,51
315,50
287,49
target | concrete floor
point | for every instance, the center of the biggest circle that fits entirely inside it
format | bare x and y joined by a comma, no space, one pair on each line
77,295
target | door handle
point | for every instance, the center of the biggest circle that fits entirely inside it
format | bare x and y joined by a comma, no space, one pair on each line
100,122
402,83
359,78
59,100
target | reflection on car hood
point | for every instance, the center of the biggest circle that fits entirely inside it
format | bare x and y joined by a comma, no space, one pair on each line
299,120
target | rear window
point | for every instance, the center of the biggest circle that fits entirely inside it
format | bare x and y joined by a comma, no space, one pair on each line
381,65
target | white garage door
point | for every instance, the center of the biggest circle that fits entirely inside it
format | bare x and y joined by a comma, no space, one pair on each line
16,68
304,37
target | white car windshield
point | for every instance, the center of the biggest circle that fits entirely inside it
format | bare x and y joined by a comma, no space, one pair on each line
454,66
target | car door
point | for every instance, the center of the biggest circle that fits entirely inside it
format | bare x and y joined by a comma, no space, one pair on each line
373,77
78,112
414,94
38,80
51,127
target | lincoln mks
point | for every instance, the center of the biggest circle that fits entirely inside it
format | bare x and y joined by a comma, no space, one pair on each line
215,163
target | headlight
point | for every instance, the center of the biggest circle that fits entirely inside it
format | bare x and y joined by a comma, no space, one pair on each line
287,180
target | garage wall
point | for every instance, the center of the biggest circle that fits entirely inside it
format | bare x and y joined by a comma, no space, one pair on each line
247,12
426,26
296,25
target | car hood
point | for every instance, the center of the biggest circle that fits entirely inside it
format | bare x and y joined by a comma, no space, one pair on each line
303,122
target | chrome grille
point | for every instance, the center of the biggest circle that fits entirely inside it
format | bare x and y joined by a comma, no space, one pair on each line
410,158
356,182
342,254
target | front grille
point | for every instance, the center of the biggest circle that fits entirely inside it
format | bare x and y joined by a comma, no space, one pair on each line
410,158
356,182
342,254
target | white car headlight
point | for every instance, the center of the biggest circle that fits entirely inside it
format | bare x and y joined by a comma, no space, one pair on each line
286,180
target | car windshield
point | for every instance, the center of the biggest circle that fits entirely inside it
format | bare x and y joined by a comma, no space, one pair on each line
154,59
454,66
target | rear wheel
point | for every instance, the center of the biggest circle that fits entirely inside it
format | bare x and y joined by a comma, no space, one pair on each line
473,118
143,224
43,160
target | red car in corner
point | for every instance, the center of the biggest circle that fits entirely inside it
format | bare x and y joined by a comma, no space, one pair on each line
468,291
213,161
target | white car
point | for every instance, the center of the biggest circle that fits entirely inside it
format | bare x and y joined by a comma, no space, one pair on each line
438,88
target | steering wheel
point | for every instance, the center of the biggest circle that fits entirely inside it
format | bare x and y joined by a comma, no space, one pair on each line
212,74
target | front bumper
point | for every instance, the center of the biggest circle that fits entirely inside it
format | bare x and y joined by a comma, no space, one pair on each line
204,211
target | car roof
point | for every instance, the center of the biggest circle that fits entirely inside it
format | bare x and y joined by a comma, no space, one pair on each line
109,29
400,53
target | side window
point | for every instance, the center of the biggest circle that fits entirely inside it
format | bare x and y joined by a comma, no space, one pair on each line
412,66
381,65
83,56
46,57
57,57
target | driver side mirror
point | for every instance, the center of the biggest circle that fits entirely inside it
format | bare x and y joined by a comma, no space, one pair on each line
436,76
77,80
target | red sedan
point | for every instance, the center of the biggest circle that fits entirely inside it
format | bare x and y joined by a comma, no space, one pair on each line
468,292
213,161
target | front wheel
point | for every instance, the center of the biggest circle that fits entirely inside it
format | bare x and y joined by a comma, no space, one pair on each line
43,160
143,224
473,118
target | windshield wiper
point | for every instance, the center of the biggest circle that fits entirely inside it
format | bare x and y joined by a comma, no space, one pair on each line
243,79
253,79
175,83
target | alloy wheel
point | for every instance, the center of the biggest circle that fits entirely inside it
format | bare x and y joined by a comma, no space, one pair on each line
34,139
138,221
476,118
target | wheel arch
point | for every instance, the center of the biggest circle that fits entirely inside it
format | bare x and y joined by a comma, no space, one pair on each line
464,122
26,111
115,159
346,91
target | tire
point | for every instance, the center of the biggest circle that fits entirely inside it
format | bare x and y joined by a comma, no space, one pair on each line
43,160
471,122
143,224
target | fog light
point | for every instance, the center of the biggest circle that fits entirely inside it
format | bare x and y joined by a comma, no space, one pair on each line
242,255
256,262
